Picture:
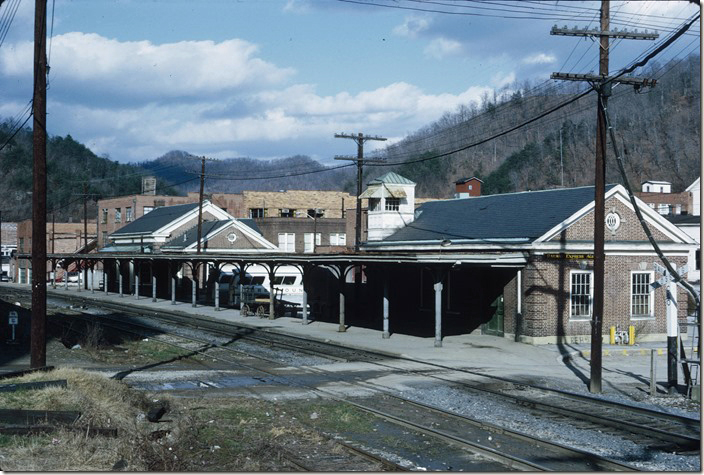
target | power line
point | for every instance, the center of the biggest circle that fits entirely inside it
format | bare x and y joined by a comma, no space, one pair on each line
7,18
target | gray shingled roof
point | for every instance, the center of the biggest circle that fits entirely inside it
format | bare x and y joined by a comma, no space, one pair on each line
155,219
191,234
250,223
511,216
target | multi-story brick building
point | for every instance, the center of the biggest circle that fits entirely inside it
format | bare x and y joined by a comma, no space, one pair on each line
292,212
61,238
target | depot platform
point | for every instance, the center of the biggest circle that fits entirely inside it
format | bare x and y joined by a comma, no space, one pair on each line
623,367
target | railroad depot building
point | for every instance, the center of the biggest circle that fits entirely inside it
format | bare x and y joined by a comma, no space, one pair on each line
521,265
515,265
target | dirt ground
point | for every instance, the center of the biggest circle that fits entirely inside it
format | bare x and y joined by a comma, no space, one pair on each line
195,434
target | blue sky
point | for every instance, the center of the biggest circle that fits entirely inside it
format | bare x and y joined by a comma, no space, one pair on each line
134,79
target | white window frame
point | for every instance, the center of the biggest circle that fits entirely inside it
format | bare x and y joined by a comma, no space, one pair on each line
128,214
308,241
338,239
650,295
147,209
118,215
392,204
590,304
287,242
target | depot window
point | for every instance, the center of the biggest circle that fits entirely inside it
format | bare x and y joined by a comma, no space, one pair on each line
641,295
581,295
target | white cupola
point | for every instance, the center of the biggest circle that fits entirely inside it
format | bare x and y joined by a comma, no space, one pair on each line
391,205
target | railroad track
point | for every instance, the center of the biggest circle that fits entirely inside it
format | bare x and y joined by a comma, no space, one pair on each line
509,450
653,429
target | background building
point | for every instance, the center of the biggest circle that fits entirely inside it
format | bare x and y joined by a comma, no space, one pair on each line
61,238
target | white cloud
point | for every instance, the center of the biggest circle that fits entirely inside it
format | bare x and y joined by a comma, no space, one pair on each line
500,80
136,100
539,58
297,6
440,48
412,26
91,64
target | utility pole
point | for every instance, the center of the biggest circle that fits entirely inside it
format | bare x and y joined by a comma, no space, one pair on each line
360,138
200,200
38,326
85,231
602,84
85,228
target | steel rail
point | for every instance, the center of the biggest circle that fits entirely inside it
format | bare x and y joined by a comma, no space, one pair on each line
209,326
589,461
324,349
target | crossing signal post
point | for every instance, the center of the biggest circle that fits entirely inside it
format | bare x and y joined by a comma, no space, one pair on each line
667,280
602,84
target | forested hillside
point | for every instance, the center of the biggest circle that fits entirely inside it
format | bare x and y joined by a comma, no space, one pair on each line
70,167
657,130
236,174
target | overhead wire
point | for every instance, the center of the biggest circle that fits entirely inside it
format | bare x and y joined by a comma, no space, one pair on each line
7,17
657,49
456,9
675,275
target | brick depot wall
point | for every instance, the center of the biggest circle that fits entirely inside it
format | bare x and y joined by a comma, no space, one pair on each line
242,241
629,230
546,304
511,307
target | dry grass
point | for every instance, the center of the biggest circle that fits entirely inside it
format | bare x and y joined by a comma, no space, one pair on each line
103,403
219,434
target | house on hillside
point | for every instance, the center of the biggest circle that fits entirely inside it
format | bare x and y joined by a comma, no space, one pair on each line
468,187
521,265
691,224
695,194
659,196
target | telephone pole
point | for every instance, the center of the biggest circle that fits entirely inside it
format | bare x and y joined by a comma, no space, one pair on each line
602,84
360,138
200,199
38,325
85,229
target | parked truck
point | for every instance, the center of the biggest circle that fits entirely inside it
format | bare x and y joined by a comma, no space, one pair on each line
230,292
